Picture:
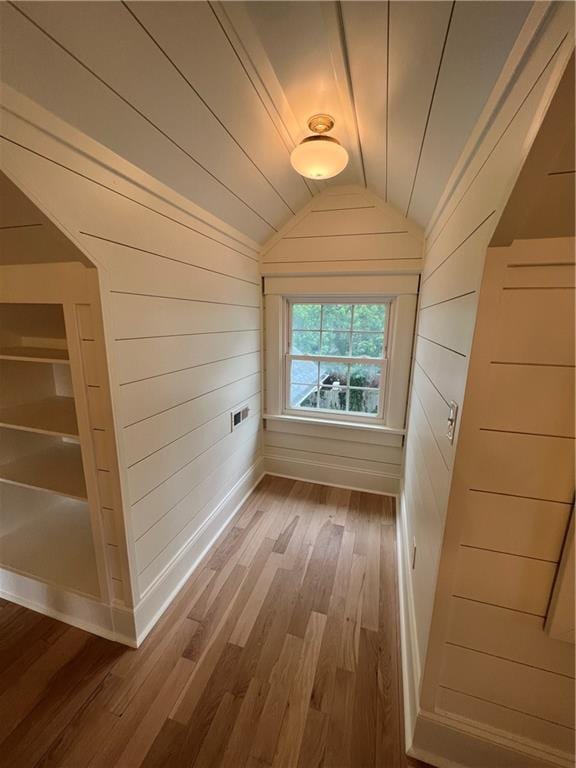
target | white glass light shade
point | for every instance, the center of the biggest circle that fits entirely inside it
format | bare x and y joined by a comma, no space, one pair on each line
319,157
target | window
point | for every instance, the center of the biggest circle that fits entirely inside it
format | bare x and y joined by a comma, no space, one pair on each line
362,326
336,357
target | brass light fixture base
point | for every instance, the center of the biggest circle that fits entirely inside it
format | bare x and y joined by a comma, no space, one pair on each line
321,123
319,156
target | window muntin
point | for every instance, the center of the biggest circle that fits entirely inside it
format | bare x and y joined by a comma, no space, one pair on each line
336,357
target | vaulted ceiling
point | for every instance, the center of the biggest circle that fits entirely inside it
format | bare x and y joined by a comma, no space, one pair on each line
210,98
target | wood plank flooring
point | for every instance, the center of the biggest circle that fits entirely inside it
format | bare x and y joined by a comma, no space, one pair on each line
281,651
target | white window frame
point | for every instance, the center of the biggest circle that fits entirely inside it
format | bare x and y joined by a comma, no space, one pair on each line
383,362
401,290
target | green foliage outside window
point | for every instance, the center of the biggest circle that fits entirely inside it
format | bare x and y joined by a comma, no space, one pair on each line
335,330
338,330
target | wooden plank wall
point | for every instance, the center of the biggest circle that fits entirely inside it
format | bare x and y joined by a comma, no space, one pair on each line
345,230
514,486
453,266
335,456
181,300
482,579
345,237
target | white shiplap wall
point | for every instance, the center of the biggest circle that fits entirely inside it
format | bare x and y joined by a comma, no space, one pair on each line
345,230
513,489
454,263
181,301
345,242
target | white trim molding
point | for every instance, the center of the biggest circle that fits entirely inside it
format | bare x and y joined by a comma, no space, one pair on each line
284,417
447,742
411,670
330,474
111,622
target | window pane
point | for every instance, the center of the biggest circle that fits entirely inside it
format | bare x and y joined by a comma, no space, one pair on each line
324,331
306,342
365,376
364,400
335,343
304,372
367,344
300,393
333,372
311,401
336,316
306,317
369,317
333,398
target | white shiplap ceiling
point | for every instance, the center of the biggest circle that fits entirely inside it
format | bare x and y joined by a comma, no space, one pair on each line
211,97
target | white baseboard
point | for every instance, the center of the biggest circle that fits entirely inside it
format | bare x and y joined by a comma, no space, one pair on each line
411,670
328,474
164,589
457,743
111,622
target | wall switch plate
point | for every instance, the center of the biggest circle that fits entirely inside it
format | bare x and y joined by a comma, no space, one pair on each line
452,416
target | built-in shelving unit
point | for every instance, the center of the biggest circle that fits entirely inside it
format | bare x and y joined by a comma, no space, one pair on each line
50,415
63,549
45,523
34,354
55,469
34,332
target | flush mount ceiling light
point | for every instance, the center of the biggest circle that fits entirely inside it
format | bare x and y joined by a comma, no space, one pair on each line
319,156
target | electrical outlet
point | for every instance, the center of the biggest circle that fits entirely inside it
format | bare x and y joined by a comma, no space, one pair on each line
238,416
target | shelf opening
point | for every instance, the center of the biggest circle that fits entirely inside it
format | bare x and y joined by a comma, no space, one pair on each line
47,537
33,332
48,463
38,398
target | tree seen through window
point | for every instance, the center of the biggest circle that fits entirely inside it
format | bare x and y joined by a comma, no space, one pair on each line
336,356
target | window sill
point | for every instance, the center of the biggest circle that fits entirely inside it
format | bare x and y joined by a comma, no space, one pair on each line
333,423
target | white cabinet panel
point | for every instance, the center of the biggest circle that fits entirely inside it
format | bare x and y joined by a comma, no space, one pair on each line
521,526
506,580
525,689
507,634
525,338
525,465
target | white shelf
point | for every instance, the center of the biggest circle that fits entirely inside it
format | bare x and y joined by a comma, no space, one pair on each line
49,416
57,469
55,546
35,355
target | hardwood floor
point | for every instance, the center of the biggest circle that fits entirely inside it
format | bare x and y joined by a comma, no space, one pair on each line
281,650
